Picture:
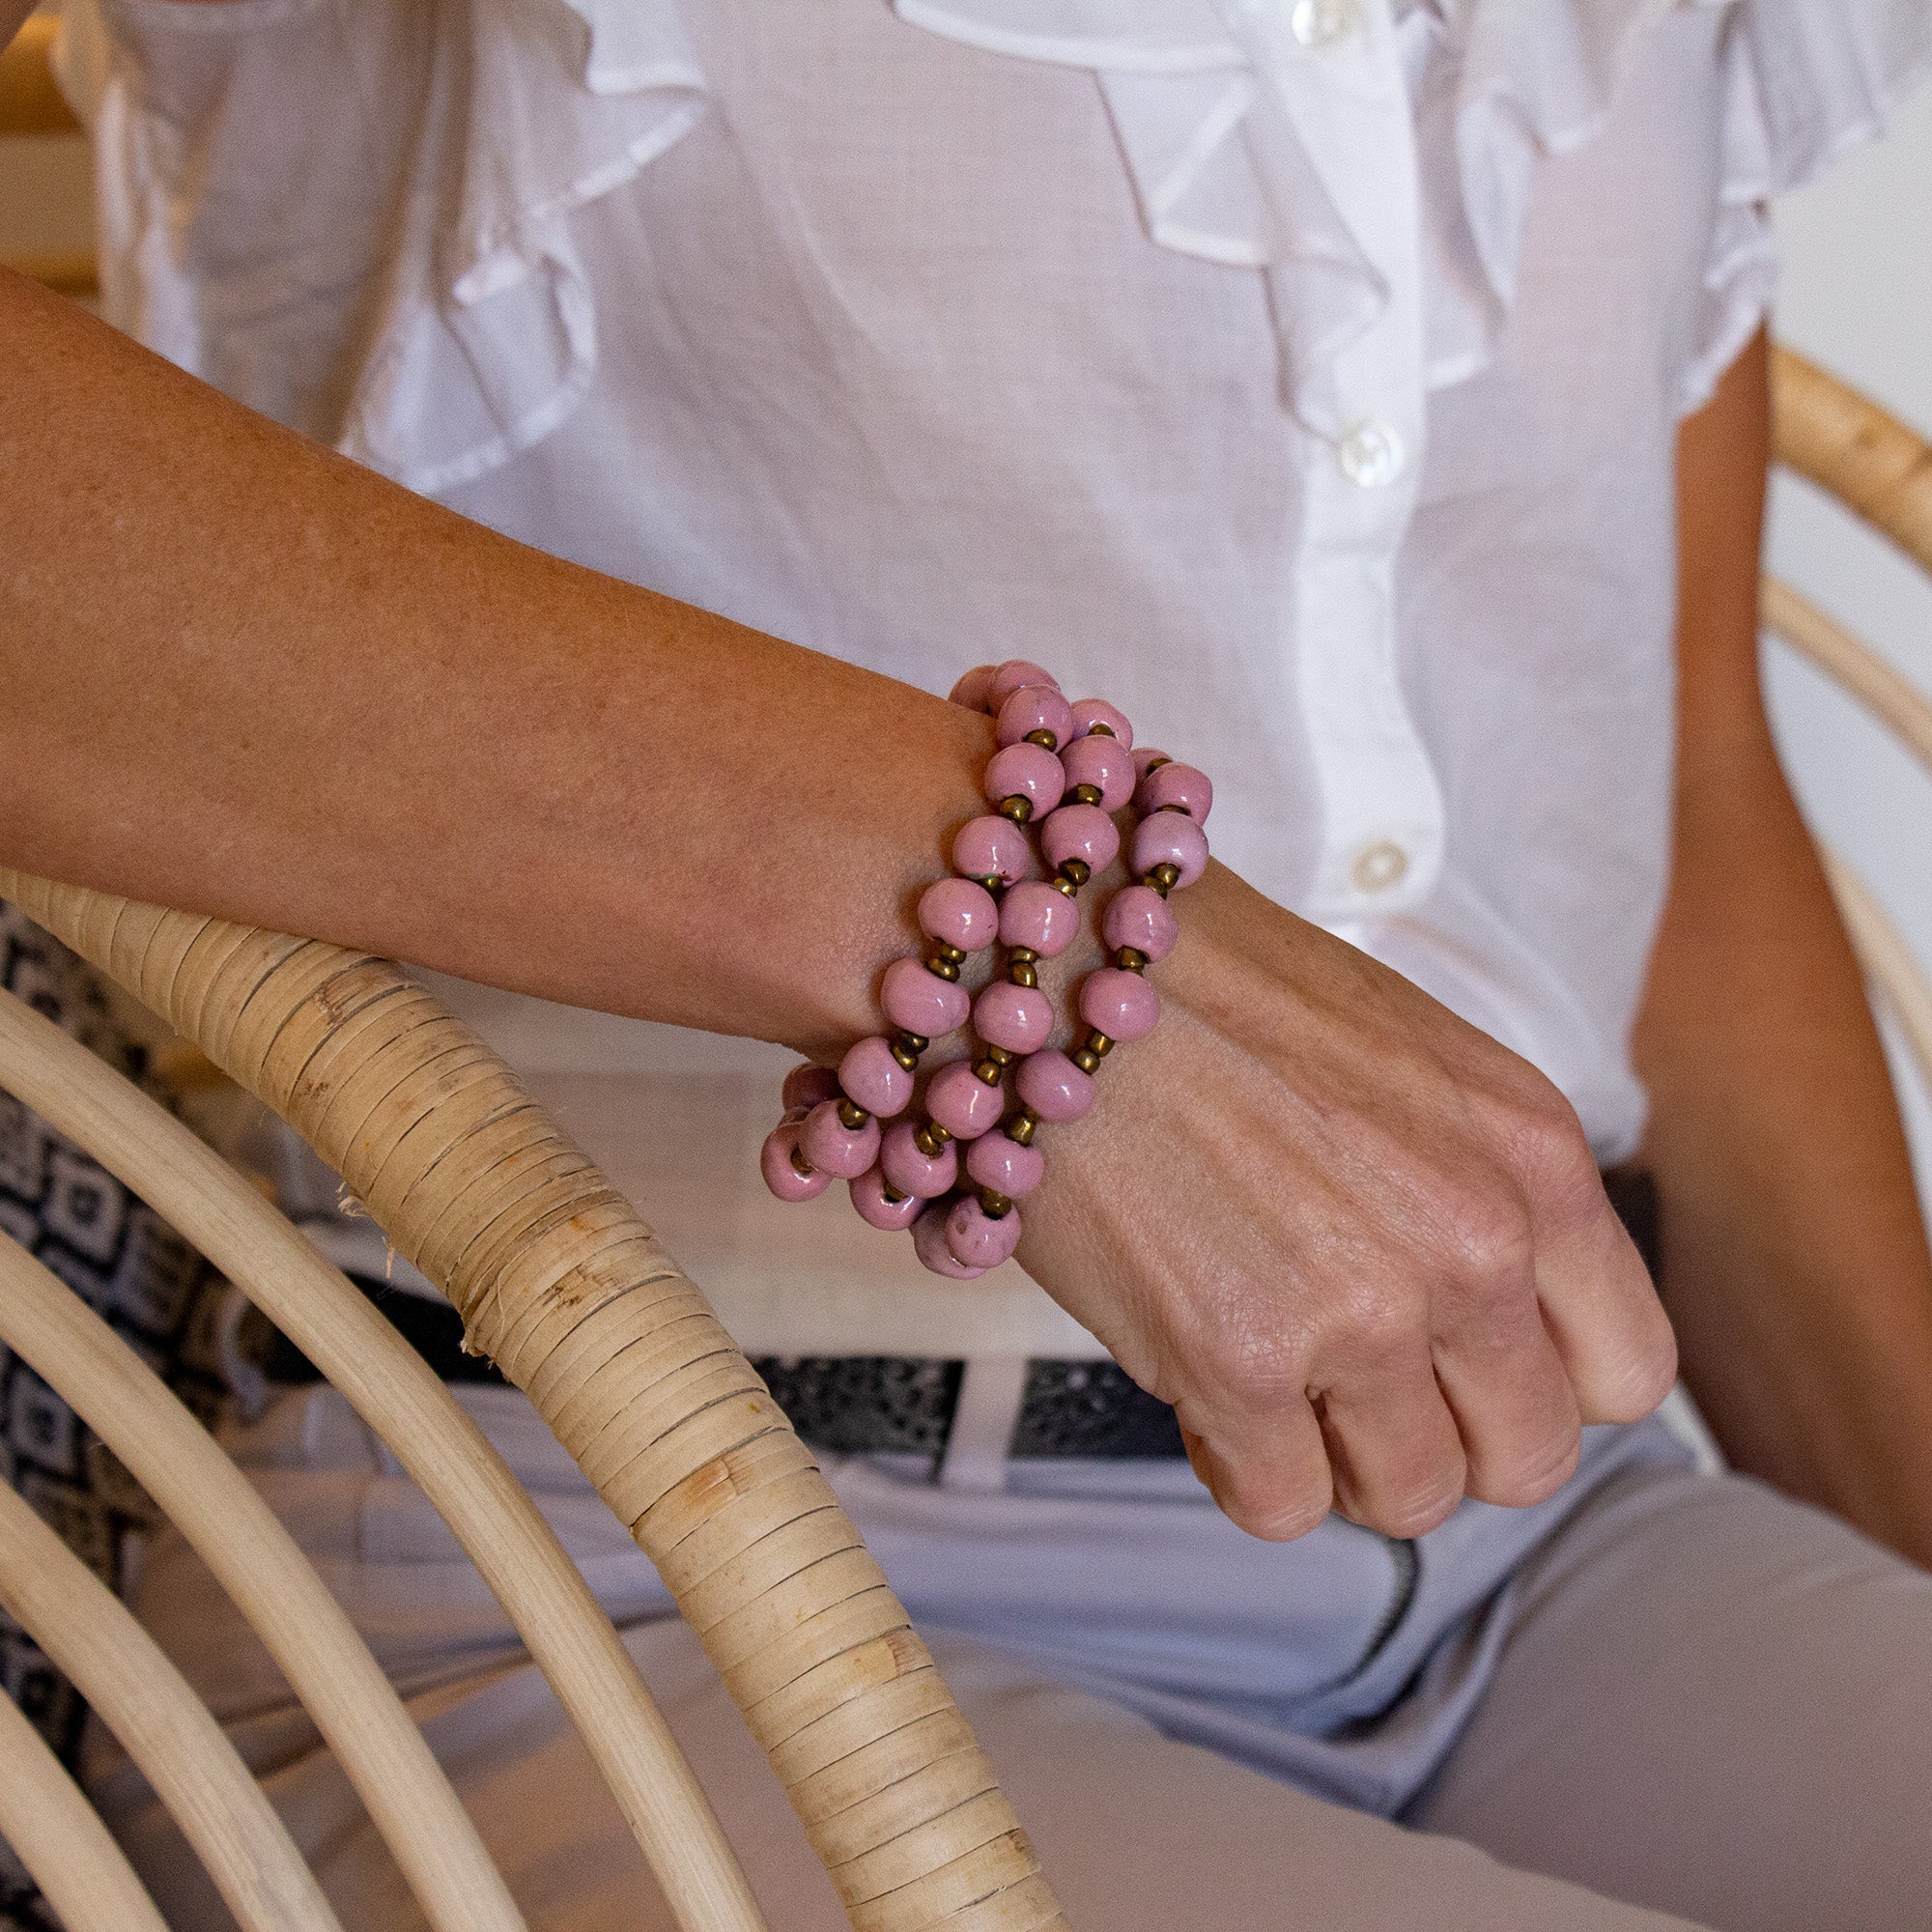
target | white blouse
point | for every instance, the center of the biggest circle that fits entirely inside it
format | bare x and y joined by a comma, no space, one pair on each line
1300,374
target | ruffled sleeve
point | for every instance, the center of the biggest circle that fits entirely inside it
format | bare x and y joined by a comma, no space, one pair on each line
1803,81
353,214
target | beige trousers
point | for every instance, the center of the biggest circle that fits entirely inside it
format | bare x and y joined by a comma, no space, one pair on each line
1712,1707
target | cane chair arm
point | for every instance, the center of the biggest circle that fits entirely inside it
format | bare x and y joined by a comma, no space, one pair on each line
226,1523
57,1834
561,1285
411,1410
114,1664
1853,449
1881,469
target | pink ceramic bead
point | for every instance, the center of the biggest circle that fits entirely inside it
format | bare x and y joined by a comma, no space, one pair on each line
1025,771
872,1078
922,1001
1053,1086
1018,1018
975,1240
1103,764
1005,1166
991,847
961,912
1137,915
1175,787
1010,677
781,1175
929,1240
1038,916
1145,757
1080,832
962,1102
808,1085
974,688
833,1148
911,1170
1089,713
1121,1004
1034,707
869,1197
1167,839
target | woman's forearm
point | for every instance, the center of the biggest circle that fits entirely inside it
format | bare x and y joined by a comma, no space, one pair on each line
246,676
1796,1269
1359,1246
1796,1263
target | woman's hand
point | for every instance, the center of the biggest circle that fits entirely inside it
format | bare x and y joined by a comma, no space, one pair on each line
1362,1249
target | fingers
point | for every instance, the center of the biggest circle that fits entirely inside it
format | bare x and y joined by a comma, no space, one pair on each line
1395,1450
1506,1386
1599,1303
1268,1472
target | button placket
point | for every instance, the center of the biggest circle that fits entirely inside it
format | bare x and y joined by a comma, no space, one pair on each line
1382,813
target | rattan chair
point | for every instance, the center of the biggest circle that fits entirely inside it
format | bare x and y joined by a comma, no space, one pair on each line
562,1285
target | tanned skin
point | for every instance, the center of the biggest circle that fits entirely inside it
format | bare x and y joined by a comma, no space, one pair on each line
1796,1267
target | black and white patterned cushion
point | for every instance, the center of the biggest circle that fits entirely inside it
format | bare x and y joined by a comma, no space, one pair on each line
129,1267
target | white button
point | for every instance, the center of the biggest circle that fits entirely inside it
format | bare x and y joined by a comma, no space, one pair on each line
1379,866
1371,455
1321,23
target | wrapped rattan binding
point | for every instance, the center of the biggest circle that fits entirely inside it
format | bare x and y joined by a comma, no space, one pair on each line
562,1285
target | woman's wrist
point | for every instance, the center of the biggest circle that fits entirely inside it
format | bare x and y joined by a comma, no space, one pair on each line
1063,778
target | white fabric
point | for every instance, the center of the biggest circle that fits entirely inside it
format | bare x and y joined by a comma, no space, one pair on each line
1313,397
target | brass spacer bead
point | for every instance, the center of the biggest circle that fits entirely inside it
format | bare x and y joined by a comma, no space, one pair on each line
1061,883
853,1115
1155,764
800,1164
1022,972
992,882
937,963
930,1139
1044,739
892,1193
997,1206
1098,1042
992,1065
1022,1127
1165,876
1076,869
1019,809
1086,1059
1087,794
907,1056
1100,731
1131,959
1024,954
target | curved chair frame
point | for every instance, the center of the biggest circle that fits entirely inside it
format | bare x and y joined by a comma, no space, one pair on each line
561,1285
1827,433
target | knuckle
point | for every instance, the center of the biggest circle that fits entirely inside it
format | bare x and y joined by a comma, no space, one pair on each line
1544,1142
1486,1232
1641,1379
1534,1474
1256,1364
1277,1518
1416,1512
1383,1330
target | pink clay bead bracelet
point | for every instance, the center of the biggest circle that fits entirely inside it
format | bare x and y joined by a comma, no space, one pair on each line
1067,768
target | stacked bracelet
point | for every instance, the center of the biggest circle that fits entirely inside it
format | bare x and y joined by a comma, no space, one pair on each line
1067,768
